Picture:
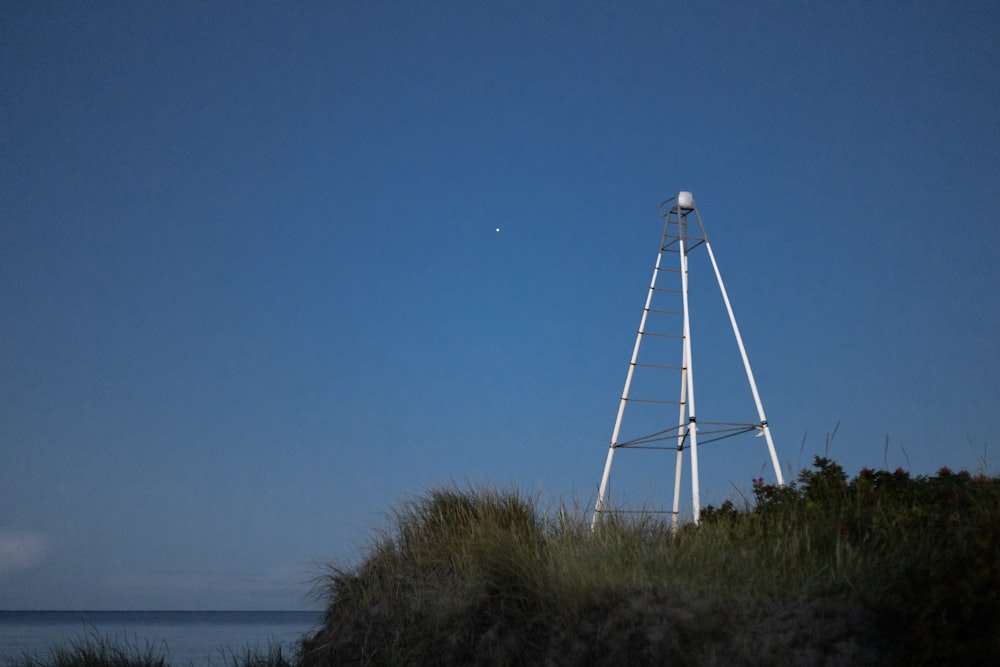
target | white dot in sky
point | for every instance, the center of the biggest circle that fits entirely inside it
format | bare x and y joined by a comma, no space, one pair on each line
498,229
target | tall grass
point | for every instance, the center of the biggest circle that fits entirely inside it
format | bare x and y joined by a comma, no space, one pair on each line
96,650
880,568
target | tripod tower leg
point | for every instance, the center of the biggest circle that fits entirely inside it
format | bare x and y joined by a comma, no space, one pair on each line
602,492
675,514
765,429
688,372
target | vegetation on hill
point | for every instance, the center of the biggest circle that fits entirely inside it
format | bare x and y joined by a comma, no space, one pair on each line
96,650
882,568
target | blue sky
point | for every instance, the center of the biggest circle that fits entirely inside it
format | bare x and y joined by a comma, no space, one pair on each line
252,295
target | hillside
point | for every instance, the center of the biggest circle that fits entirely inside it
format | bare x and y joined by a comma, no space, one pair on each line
883,568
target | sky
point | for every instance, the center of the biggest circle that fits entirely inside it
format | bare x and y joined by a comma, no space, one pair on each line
253,295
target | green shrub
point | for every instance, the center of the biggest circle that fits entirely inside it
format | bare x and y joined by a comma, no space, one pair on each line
923,552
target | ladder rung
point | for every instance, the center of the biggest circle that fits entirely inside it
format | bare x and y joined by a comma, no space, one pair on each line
671,368
666,289
668,312
661,335
652,400
648,511
668,448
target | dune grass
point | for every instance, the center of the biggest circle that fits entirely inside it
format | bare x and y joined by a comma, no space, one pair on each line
882,568
96,650
274,655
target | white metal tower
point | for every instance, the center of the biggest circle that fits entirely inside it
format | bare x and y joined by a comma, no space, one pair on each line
679,239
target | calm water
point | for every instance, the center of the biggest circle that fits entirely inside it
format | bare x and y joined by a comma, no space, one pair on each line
198,638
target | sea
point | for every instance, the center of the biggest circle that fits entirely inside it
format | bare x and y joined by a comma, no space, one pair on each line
185,638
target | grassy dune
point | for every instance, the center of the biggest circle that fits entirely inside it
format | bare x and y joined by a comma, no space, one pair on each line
884,568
